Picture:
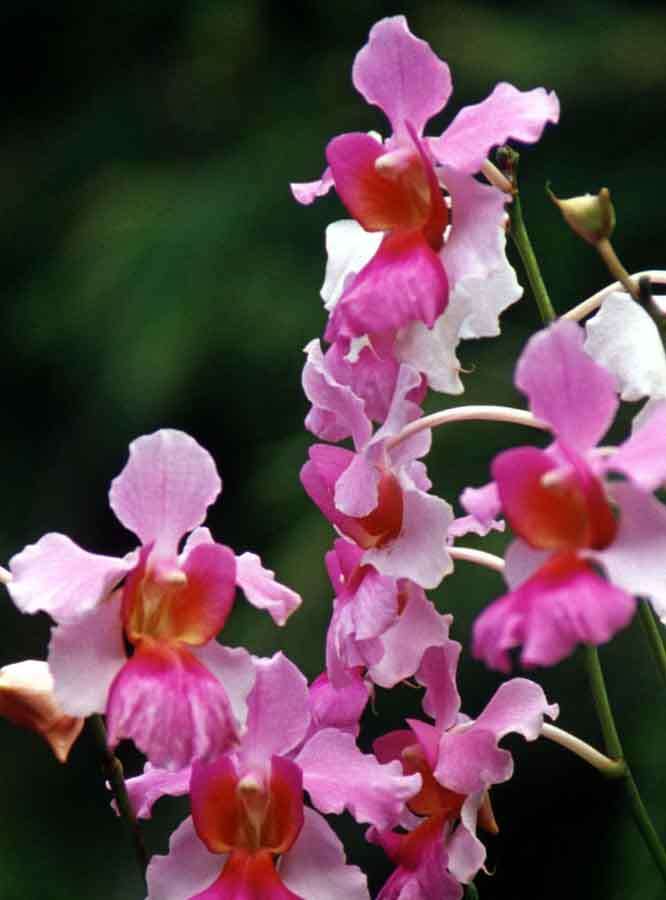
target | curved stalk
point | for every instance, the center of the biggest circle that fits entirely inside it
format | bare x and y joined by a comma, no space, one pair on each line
614,749
587,307
611,768
479,557
480,413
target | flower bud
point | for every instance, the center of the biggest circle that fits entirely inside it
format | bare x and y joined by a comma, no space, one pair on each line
591,217
27,699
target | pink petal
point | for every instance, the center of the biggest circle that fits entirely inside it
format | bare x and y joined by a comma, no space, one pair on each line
483,504
85,655
188,868
401,75
263,591
171,706
470,760
199,609
505,113
339,412
278,710
642,458
145,790
404,282
375,605
389,746
419,552
565,387
58,577
165,489
437,674
549,614
315,865
349,247
338,707
635,559
233,667
517,706
417,628
466,852
402,411
338,776
357,488
522,561
307,192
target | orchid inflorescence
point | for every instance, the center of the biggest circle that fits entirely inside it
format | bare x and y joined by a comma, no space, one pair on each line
420,266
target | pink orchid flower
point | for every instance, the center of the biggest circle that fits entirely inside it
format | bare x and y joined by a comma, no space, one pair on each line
378,496
459,760
250,834
381,625
392,188
178,695
568,518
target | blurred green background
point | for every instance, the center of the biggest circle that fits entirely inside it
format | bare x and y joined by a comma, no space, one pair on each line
157,273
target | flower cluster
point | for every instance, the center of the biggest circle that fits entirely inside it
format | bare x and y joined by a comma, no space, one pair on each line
262,755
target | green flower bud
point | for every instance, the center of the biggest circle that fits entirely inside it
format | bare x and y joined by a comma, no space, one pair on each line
591,217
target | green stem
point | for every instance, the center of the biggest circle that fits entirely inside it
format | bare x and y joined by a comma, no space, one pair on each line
113,770
614,749
471,892
654,636
524,246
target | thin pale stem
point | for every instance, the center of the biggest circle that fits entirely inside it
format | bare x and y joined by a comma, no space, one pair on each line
614,749
615,267
524,246
113,770
654,636
611,768
495,177
467,414
479,557
579,312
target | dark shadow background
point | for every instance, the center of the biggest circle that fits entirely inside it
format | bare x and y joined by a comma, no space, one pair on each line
157,272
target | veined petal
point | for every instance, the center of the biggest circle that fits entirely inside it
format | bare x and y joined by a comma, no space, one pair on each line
470,760
315,866
171,706
188,868
165,489
505,113
518,706
56,576
248,876
642,458
339,707
437,673
401,75
145,790
263,591
565,387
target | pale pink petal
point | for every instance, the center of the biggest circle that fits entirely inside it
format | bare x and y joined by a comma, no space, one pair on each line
466,852
635,560
338,707
418,627
171,706
145,790
505,113
402,411
375,605
349,248
315,865
470,760
338,776
85,655
337,412
518,706
404,282
357,488
642,458
306,192
624,339
233,667
428,878
475,247
548,615
522,561
56,576
188,868
263,591
464,525
482,503
401,75
165,489
419,552
278,710
565,387
432,351
437,674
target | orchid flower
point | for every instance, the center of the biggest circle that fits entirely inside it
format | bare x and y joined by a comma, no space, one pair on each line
459,760
250,833
179,694
568,518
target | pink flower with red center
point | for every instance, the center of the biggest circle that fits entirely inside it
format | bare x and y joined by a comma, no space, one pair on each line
250,834
179,695
569,521
398,261
377,496
381,625
458,759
